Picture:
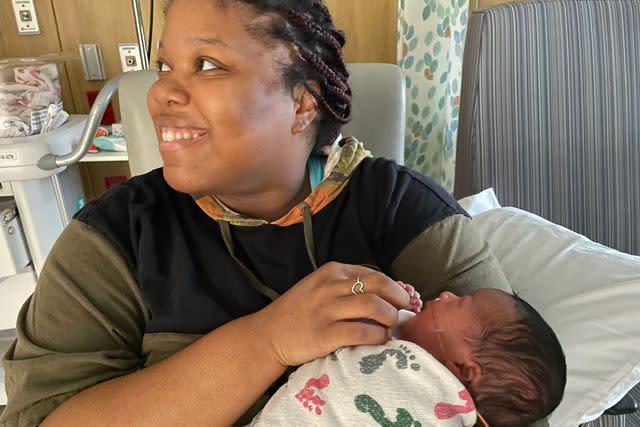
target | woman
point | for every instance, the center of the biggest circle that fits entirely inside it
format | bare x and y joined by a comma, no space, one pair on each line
175,271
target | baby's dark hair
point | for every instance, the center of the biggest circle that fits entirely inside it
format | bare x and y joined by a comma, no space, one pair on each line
308,25
524,368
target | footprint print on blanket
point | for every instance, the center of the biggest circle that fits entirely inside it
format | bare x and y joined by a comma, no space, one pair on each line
445,411
369,405
370,364
308,397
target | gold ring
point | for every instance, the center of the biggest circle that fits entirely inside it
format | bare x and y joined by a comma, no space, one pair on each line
358,287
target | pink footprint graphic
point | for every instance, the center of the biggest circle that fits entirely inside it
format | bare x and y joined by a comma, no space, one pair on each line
445,411
308,396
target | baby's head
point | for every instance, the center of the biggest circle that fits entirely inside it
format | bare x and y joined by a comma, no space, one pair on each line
499,347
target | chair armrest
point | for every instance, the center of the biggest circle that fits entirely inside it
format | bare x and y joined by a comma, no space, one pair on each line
627,405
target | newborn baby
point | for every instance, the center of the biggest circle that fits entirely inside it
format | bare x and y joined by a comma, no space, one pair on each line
485,358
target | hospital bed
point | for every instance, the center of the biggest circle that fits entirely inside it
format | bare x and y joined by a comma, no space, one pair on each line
35,206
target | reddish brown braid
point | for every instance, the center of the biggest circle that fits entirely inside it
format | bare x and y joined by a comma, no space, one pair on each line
305,20
336,84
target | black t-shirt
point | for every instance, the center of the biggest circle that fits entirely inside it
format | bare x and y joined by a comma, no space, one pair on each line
191,284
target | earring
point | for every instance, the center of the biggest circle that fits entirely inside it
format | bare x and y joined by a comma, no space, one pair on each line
302,124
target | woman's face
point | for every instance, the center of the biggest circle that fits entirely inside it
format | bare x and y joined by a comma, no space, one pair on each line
223,117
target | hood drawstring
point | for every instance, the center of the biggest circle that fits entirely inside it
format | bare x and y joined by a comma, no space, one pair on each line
307,223
481,421
253,280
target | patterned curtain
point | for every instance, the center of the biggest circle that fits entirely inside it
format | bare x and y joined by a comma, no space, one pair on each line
430,42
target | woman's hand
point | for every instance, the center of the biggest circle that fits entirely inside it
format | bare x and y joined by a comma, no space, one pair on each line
320,313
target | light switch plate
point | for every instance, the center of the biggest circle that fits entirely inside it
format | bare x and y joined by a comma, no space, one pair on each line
130,57
26,18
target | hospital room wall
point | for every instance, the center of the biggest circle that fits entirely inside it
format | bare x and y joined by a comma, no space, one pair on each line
65,24
14,45
370,26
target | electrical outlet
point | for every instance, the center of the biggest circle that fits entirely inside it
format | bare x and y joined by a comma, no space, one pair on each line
130,57
26,18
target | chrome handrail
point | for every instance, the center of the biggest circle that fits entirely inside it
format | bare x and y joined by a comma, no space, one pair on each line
142,44
53,161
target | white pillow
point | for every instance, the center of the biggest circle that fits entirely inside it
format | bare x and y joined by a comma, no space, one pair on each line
480,202
587,292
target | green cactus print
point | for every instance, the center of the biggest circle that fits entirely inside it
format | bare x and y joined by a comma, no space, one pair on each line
369,405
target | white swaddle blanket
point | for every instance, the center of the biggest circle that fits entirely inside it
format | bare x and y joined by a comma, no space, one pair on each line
396,384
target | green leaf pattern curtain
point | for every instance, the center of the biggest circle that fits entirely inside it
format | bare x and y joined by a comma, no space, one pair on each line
430,43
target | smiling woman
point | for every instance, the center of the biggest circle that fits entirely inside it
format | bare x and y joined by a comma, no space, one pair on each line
223,87
228,91
181,296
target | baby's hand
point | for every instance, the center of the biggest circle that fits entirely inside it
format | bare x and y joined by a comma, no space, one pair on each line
415,303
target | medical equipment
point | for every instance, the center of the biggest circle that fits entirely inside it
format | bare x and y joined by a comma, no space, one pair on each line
43,201
36,203
13,245
40,175
40,190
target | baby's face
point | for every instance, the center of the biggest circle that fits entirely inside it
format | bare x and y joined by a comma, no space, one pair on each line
444,323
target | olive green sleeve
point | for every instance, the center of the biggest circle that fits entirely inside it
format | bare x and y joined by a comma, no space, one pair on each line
83,325
450,255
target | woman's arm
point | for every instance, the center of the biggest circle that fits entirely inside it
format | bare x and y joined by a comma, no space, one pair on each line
449,255
211,382
217,378
78,353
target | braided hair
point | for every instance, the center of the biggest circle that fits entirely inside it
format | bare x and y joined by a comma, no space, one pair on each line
308,26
